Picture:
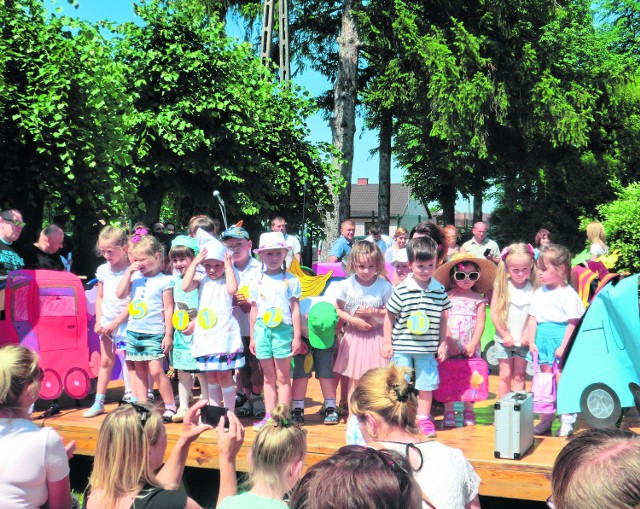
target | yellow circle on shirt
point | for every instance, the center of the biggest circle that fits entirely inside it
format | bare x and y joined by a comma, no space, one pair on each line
272,317
180,319
244,290
418,323
137,309
207,318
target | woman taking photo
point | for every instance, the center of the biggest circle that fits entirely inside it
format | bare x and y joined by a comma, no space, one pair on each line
131,446
386,406
34,471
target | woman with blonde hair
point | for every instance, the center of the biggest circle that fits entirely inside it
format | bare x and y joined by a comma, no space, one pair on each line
276,459
400,237
596,235
131,446
34,471
451,241
386,405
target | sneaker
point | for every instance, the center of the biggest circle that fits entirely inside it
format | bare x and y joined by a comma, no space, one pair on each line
151,398
96,409
127,397
246,409
180,415
566,430
469,418
449,420
258,407
168,415
544,426
257,426
297,416
240,399
343,409
331,417
427,427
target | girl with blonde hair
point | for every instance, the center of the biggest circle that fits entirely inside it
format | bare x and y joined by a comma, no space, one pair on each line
276,459
516,280
385,404
35,468
597,237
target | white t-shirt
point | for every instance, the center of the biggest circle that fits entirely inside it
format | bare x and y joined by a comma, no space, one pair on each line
559,305
446,477
244,277
384,243
598,250
32,456
224,336
291,240
112,306
275,291
517,311
354,295
149,290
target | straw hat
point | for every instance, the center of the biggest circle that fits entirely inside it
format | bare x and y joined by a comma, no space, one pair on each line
487,272
271,240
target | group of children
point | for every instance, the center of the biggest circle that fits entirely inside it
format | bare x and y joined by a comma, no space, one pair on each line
222,310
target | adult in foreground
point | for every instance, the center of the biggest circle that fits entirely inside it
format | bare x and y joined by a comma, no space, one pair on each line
480,246
386,407
11,225
596,469
34,471
358,477
43,254
130,448
342,246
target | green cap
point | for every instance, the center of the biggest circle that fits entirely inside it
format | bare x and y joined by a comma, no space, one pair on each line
321,323
186,241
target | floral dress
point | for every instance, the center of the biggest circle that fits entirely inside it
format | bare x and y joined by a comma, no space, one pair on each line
462,320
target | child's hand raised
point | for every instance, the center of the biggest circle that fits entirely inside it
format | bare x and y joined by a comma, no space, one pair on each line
201,256
228,260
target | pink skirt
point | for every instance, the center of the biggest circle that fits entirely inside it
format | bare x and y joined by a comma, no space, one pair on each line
358,352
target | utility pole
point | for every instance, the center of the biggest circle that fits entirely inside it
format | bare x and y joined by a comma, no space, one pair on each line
283,37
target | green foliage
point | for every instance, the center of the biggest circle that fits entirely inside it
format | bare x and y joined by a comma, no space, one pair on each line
621,221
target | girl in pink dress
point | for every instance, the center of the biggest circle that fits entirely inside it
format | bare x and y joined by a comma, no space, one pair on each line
467,279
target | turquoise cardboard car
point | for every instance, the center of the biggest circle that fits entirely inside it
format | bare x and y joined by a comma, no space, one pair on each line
601,364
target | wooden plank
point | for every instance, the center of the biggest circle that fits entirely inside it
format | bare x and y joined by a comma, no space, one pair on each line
527,478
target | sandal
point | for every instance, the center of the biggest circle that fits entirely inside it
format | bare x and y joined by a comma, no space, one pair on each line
168,414
449,420
469,418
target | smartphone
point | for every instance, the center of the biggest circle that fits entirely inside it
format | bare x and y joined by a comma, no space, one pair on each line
487,252
211,415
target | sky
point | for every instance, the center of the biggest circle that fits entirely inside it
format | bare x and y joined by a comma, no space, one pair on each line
365,165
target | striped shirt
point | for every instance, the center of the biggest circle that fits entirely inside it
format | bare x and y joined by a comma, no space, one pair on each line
408,298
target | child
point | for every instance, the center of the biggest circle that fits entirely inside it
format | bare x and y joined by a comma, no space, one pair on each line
318,324
555,311
250,379
111,312
401,264
274,321
360,302
516,280
217,344
416,323
183,250
468,278
149,329
596,235
276,459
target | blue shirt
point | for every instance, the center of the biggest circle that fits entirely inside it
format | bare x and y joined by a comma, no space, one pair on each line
340,248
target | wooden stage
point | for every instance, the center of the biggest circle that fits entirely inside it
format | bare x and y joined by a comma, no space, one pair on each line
526,479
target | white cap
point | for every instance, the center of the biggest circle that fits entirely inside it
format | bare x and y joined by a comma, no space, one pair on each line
215,250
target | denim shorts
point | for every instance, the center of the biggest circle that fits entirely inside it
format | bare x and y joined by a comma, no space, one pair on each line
509,352
272,342
322,362
425,366
144,347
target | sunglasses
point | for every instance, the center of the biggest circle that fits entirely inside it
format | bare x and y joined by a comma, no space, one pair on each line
19,224
142,410
461,276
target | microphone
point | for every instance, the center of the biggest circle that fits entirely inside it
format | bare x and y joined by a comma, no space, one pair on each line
216,194
53,409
